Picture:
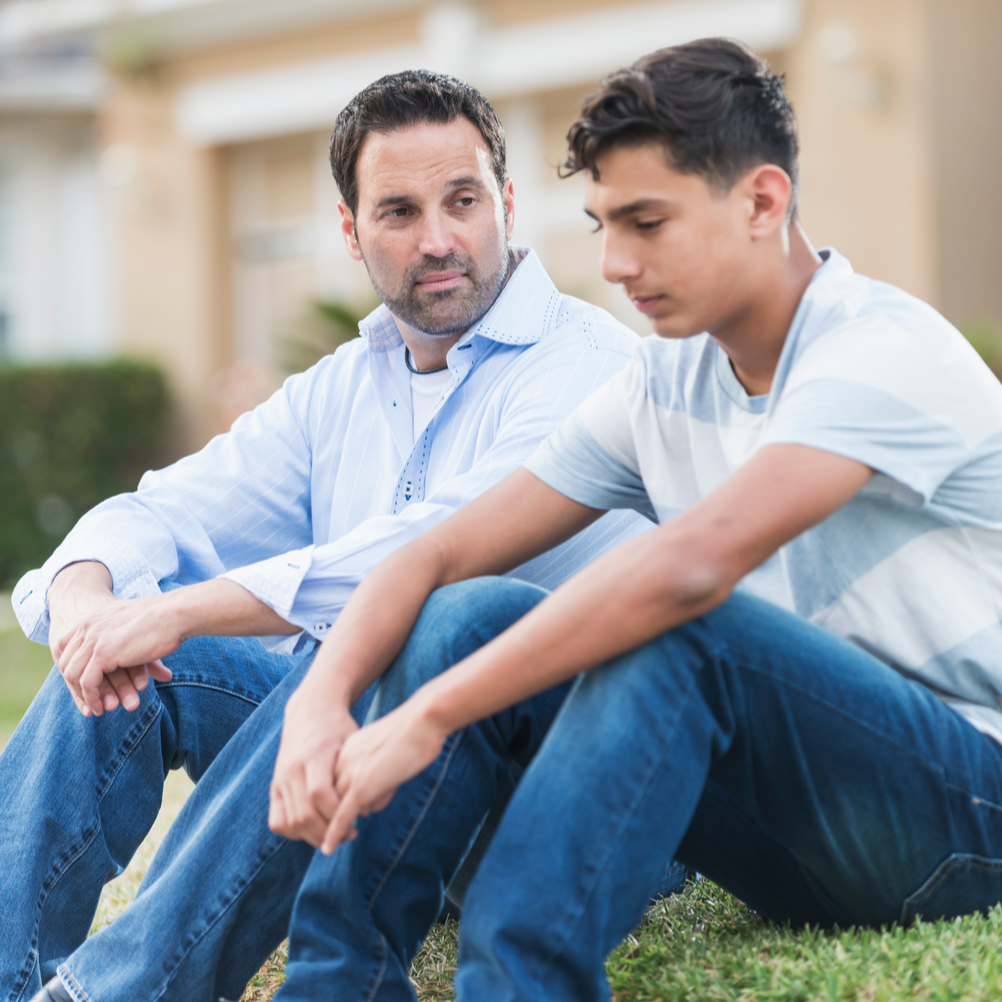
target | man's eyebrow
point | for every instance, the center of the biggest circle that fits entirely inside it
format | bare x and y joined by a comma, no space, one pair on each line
641,205
470,181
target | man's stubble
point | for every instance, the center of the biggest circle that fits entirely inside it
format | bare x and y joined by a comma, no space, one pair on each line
452,311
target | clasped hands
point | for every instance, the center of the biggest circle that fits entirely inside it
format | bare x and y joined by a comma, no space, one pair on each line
329,771
108,652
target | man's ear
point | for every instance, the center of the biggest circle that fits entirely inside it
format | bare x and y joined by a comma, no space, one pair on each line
348,230
768,190
508,197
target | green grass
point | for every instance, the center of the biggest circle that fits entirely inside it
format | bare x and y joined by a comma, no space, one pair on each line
700,945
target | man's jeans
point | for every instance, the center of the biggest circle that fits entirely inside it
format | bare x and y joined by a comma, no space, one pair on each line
800,773
78,795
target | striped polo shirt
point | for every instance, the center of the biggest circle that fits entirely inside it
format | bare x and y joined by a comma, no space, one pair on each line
911,568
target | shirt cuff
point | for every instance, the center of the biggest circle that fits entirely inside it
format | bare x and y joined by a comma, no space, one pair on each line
276,581
130,575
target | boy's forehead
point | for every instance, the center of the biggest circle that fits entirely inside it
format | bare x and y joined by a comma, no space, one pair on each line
421,155
638,174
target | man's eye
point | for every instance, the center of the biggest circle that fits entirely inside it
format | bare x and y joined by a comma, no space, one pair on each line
398,212
649,224
466,201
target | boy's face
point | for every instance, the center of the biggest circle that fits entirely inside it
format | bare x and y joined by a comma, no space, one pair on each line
680,249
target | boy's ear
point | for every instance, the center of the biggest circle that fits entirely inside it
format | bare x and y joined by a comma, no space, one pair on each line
768,190
348,230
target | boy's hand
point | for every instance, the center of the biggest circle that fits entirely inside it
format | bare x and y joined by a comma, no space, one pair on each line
375,761
303,795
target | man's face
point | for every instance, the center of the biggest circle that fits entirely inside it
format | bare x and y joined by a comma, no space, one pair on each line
431,226
677,246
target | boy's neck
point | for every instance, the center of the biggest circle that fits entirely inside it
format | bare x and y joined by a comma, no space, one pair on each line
754,340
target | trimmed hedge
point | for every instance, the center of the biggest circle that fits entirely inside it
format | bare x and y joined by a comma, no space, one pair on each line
71,436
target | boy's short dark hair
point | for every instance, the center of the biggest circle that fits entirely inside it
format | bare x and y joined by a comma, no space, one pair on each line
718,109
404,99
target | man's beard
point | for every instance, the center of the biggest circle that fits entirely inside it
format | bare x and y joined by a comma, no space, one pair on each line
452,311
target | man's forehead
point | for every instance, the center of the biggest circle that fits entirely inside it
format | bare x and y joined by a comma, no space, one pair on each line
423,151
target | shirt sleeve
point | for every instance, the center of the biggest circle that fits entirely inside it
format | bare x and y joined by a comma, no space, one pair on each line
910,406
539,398
592,457
245,495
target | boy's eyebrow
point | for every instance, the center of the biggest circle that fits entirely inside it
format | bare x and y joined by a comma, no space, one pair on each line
641,205
470,181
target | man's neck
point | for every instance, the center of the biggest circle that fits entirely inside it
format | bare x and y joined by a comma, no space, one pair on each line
427,351
753,341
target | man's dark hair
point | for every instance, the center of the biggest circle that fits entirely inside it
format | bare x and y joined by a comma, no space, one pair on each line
716,106
404,99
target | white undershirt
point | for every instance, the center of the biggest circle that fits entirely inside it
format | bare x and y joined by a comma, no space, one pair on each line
426,391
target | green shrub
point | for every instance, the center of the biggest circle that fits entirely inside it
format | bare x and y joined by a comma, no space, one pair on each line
70,436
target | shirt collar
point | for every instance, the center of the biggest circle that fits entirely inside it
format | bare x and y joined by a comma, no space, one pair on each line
523,313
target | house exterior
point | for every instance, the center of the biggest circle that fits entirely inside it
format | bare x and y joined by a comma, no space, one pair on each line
164,186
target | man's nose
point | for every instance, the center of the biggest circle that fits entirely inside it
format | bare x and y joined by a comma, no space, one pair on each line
436,238
618,264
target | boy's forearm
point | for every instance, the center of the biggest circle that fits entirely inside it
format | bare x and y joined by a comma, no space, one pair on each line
375,624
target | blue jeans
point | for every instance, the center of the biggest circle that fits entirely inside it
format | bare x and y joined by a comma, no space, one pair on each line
361,914
78,795
797,771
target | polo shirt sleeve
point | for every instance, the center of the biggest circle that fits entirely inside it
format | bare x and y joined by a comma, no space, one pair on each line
592,457
913,405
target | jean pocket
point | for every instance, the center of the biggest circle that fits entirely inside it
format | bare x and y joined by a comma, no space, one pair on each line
960,885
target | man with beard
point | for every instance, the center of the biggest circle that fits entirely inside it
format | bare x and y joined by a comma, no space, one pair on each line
471,362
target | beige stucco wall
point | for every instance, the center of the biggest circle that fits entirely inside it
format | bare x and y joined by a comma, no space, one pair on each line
900,137
867,179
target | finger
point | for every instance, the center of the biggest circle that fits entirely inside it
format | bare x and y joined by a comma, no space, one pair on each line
277,818
320,789
90,687
342,825
159,671
109,698
139,676
121,681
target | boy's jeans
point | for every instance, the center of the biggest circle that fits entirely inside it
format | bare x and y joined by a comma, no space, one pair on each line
796,770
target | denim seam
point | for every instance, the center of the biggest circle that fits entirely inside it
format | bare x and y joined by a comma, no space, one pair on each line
126,749
179,958
626,816
59,869
71,985
214,688
908,909
417,821
381,973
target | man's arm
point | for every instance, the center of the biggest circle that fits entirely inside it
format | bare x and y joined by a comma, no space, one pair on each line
627,597
106,649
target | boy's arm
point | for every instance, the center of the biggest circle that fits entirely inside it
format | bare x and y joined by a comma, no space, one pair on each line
510,524
629,596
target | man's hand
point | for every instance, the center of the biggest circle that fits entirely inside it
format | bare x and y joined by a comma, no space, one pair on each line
83,590
108,654
303,795
378,759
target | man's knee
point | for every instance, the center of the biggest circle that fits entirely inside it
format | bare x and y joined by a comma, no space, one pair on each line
455,621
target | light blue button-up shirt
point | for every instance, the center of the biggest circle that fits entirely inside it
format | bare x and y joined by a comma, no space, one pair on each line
309,491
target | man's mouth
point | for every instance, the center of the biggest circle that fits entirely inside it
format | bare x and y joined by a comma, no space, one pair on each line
441,280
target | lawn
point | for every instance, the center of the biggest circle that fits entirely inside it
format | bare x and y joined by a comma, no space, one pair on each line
699,945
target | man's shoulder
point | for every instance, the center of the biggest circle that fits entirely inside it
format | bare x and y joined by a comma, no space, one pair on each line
592,327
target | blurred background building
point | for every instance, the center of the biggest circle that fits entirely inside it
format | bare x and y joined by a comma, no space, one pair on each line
164,187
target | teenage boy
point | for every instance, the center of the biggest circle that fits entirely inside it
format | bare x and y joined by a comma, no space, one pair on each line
473,359
793,684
